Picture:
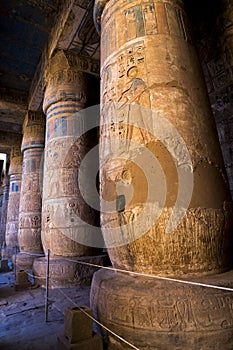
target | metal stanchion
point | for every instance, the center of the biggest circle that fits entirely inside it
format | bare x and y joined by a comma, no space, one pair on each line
15,261
47,287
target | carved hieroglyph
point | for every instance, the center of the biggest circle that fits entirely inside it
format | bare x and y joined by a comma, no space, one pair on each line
153,314
15,173
148,59
66,94
30,201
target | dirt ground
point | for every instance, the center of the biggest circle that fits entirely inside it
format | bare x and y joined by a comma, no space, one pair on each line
22,315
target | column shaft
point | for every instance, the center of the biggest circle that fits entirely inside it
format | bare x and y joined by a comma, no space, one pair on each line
30,202
153,64
161,163
32,147
2,238
15,173
66,94
5,200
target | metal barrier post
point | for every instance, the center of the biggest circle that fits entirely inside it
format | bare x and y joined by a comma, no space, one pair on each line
47,287
15,261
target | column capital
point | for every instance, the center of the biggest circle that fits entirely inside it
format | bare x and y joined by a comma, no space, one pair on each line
64,66
16,159
33,130
66,78
33,118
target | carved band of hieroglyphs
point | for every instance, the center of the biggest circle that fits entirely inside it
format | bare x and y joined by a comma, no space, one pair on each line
144,19
63,120
124,75
32,159
164,313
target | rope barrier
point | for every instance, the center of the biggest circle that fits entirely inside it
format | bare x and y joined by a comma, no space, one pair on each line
200,284
152,276
93,319
128,272
33,254
29,274
76,305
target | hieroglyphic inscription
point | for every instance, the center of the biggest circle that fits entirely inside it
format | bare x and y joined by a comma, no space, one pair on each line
140,20
170,312
124,69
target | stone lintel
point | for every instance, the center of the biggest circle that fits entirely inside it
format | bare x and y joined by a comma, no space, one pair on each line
56,40
7,139
33,118
69,61
14,96
15,128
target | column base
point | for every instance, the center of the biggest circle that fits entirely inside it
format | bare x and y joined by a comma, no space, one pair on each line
156,314
7,253
23,261
66,273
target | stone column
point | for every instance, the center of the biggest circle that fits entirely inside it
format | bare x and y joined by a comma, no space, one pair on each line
2,238
5,199
30,200
161,163
15,173
221,95
215,45
65,95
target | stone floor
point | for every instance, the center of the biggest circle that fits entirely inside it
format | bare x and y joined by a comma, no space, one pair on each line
22,315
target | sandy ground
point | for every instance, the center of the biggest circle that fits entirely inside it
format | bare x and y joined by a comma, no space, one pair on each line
22,315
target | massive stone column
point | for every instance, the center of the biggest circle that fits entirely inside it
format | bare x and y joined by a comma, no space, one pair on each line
215,46
29,235
15,173
2,238
5,199
65,95
222,96
161,163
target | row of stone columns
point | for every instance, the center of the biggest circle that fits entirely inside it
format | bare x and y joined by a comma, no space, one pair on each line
43,209
154,106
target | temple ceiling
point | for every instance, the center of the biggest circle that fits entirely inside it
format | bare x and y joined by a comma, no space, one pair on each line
30,32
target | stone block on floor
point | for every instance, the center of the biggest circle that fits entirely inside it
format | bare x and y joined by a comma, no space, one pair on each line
22,282
22,277
77,325
93,343
4,265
